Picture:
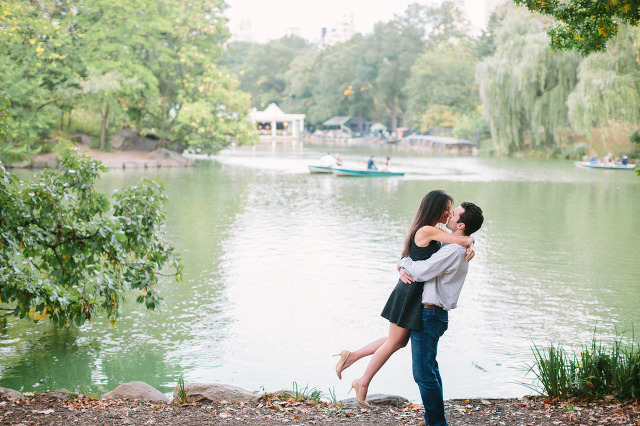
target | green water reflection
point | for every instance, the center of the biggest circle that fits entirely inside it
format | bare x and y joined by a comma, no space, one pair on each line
284,268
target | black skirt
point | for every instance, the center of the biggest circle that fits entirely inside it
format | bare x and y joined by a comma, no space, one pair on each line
404,306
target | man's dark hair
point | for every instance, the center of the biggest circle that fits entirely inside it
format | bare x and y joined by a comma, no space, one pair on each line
472,217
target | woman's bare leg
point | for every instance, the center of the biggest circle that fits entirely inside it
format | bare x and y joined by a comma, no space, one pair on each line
398,338
366,350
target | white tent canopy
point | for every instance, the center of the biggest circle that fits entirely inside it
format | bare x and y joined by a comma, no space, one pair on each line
273,115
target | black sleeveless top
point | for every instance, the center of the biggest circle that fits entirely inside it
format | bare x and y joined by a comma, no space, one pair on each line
404,306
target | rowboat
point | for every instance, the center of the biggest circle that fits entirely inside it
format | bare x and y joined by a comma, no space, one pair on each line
319,169
364,172
588,165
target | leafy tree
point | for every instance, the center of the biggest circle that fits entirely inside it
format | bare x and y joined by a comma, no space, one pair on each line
438,116
4,116
608,89
443,76
262,71
585,25
487,40
106,92
394,46
35,59
472,126
300,80
342,75
437,23
141,63
67,254
524,86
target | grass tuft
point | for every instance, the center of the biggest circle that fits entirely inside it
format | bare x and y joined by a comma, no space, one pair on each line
597,372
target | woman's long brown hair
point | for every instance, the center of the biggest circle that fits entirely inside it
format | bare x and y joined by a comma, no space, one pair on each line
431,208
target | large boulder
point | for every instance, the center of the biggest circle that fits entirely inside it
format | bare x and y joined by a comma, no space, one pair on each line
378,399
130,140
82,138
9,393
168,158
63,394
205,392
136,390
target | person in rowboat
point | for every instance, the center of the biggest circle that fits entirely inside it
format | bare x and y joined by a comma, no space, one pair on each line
404,306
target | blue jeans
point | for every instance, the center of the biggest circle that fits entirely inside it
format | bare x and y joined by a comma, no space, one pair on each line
424,348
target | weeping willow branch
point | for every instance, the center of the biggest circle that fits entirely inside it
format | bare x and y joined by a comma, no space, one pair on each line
609,86
524,86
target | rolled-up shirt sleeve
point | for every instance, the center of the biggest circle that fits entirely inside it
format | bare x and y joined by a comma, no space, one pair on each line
436,265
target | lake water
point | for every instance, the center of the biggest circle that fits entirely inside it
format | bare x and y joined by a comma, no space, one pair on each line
284,269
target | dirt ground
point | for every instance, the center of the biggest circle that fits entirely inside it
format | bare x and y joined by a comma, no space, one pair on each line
510,412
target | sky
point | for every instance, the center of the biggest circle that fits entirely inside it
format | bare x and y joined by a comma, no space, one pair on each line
271,18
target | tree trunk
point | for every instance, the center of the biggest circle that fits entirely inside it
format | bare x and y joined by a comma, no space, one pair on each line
394,116
103,130
69,119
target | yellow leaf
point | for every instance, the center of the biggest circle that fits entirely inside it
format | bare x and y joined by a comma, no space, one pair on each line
113,323
144,291
32,41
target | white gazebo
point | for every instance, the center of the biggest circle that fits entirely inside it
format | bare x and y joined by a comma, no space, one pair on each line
270,117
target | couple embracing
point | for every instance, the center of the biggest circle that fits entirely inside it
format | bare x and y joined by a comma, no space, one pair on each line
432,272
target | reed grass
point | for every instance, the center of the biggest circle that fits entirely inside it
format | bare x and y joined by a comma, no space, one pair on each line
306,395
597,371
182,395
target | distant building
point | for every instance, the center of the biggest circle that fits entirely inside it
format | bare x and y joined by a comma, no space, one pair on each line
345,123
342,31
293,31
241,31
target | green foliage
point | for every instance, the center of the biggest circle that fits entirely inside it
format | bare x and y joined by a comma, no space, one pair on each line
597,371
182,395
126,63
635,138
344,74
262,67
444,76
609,85
67,253
37,58
524,87
362,77
4,117
306,395
472,126
585,25
438,116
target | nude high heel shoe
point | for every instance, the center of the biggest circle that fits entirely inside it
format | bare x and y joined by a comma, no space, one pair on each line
344,355
356,385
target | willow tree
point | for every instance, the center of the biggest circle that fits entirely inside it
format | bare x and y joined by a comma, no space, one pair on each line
524,86
608,90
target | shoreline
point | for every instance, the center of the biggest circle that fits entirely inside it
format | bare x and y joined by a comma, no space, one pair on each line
271,412
134,159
